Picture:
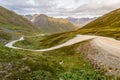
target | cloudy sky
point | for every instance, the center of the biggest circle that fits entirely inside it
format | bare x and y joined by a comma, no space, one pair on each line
62,8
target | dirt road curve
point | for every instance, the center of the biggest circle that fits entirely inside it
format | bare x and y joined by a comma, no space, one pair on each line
77,39
106,54
108,45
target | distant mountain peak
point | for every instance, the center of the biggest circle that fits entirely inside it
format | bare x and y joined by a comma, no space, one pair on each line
43,15
52,25
35,15
80,21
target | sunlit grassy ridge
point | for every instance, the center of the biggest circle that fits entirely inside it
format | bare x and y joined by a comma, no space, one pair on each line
107,25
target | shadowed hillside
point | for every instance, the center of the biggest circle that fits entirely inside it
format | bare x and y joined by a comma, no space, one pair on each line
13,25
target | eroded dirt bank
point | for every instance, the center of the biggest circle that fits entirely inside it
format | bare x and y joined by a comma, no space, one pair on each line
100,58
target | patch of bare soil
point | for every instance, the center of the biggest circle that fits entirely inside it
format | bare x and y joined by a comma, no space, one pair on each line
100,60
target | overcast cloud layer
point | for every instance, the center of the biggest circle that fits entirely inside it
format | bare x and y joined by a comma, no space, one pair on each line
62,8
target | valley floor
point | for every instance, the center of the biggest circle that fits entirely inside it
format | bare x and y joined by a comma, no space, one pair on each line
108,50
108,45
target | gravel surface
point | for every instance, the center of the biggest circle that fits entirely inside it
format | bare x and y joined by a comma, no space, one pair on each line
77,39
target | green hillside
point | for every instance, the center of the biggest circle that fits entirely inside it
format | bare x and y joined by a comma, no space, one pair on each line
52,25
67,63
27,65
43,42
13,25
106,25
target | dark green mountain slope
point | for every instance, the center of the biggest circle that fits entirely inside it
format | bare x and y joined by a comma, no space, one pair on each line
51,25
107,25
12,25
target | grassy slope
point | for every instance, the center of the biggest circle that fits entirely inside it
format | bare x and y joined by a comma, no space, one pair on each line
44,42
25,65
45,65
107,25
12,25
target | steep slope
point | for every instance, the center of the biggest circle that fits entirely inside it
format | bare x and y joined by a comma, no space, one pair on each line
13,25
107,25
51,25
80,21
29,17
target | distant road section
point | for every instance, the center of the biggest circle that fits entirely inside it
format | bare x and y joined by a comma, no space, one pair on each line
108,45
77,39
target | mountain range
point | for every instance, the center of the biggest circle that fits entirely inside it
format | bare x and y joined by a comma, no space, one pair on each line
50,24
13,25
80,21
29,58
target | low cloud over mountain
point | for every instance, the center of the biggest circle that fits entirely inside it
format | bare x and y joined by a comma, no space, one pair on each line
62,8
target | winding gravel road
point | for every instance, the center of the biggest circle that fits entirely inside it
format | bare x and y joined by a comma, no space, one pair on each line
109,45
77,39
108,50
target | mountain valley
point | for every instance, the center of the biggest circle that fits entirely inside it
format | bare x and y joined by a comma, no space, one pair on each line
39,47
